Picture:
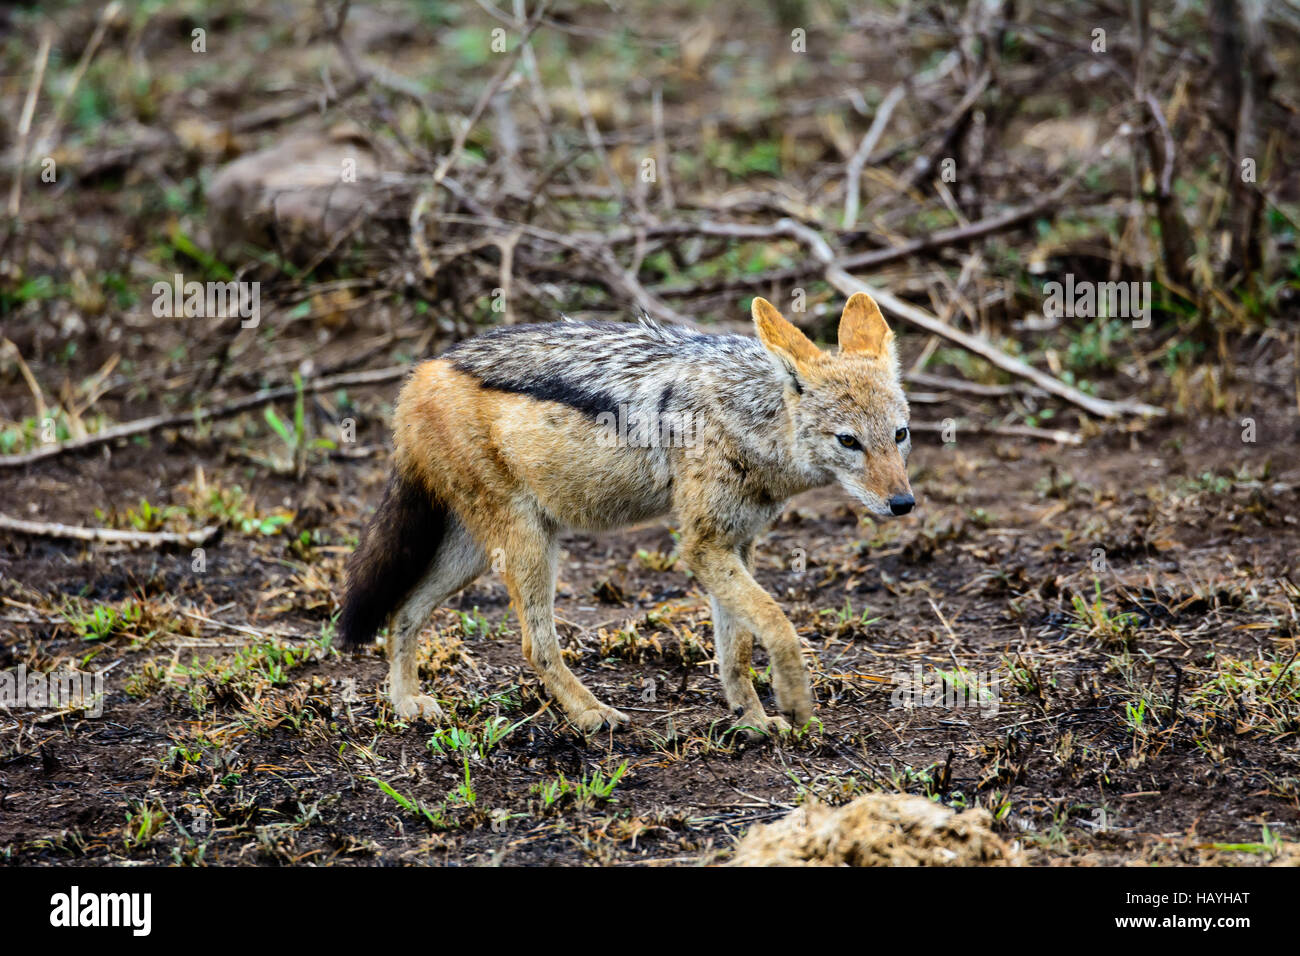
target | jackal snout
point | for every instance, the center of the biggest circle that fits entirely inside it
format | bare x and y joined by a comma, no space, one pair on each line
888,493
901,504
898,495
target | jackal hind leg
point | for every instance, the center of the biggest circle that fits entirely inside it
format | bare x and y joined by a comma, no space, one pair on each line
531,552
460,559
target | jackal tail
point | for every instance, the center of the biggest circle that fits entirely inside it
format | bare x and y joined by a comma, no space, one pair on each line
399,545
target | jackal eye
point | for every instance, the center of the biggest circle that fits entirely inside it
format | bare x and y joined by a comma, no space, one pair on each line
848,441
900,436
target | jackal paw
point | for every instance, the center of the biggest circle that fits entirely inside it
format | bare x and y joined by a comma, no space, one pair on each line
599,718
796,708
417,707
756,725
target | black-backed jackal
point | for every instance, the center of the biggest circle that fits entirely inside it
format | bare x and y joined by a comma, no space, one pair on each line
508,439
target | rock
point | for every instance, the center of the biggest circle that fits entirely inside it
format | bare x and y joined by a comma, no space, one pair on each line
878,829
297,196
367,29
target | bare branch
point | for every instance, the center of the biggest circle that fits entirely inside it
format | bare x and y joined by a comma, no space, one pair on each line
853,172
154,539
155,423
848,284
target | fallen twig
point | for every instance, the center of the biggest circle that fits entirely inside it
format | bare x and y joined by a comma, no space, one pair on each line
849,284
970,388
106,18
871,259
49,529
592,130
458,145
853,173
278,113
155,423
260,633
25,123
38,398
1060,436
661,149
418,208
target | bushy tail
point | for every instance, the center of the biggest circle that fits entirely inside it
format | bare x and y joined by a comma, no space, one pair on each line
398,547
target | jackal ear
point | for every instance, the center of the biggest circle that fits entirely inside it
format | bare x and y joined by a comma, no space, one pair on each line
863,330
780,337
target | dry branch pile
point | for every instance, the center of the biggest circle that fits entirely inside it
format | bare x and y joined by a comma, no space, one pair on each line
541,199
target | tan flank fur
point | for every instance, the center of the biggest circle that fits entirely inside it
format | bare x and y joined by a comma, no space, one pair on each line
507,440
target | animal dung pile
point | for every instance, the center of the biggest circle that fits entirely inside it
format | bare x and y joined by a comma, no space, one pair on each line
879,829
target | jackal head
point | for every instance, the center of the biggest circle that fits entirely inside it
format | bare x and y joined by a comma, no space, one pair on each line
849,414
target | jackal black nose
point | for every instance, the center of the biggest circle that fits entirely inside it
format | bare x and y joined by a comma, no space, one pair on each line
901,504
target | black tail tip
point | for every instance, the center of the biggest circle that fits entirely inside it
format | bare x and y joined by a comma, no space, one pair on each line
399,544
351,632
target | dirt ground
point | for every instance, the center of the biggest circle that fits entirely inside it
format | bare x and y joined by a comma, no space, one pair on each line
1104,635
202,756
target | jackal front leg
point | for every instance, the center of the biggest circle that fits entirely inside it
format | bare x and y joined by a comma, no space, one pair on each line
734,646
744,604
530,576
